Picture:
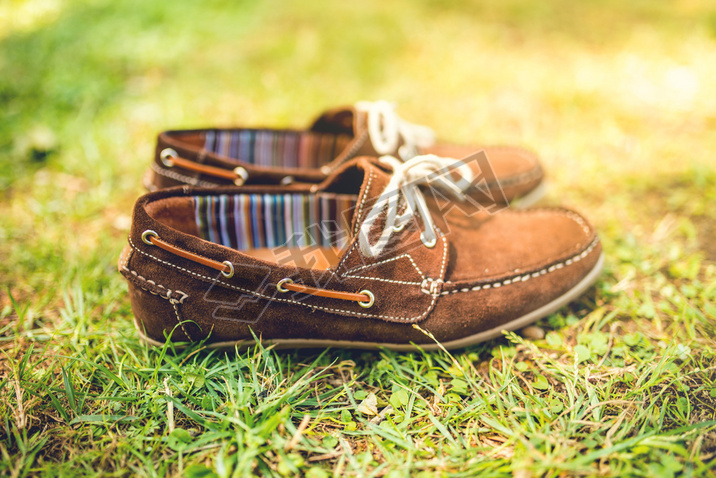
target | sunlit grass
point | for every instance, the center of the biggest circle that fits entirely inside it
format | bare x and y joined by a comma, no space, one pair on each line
618,99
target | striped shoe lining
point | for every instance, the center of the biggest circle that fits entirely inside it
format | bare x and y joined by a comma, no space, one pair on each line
286,149
254,221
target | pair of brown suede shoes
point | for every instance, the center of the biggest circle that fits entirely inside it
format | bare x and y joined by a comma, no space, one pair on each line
359,232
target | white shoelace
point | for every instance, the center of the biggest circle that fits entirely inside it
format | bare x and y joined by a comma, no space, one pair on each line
403,190
386,129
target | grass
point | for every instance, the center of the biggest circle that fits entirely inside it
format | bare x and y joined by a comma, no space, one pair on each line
619,99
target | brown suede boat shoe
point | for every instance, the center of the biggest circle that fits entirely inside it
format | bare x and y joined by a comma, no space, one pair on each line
379,254
216,157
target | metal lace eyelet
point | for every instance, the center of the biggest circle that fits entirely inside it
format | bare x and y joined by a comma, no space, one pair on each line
429,244
166,157
242,176
149,233
229,274
399,228
371,299
280,284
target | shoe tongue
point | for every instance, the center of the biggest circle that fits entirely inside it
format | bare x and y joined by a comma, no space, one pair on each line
361,176
341,120
347,120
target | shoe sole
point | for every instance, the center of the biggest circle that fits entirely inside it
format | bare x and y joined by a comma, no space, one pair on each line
518,323
531,198
147,179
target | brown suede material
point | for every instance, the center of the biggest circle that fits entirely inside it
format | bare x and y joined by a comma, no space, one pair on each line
513,241
517,171
484,272
250,273
486,309
175,212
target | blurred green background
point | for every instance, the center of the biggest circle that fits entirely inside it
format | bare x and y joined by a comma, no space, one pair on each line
610,91
618,98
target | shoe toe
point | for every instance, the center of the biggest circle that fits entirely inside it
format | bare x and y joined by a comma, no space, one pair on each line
517,268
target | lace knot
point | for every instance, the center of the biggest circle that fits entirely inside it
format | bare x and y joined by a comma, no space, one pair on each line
386,129
403,193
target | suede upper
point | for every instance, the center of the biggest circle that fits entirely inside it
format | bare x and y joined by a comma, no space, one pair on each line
485,270
273,156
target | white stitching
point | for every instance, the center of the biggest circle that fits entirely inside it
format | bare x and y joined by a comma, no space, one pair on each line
431,286
348,254
168,297
359,209
181,322
357,219
442,267
362,201
553,211
180,177
366,266
435,286
514,279
349,152
126,258
410,258
288,301
384,280
168,293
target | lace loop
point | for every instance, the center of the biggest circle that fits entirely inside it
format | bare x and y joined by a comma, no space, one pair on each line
403,190
386,129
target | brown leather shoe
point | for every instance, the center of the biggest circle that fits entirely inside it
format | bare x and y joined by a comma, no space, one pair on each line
216,157
365,259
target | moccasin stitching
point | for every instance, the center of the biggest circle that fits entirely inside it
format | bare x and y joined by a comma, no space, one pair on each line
384,280
167,296
288,301
370,266
180,177
560,212
392,259
358,142
179,319
523,278
359,210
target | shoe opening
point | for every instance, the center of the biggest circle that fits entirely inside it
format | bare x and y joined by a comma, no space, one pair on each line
301,229
276,148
